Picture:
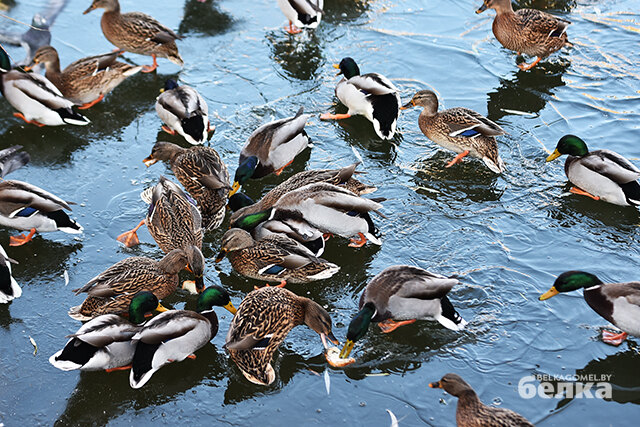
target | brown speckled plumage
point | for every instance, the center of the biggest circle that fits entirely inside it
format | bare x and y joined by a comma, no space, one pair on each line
112,290
471,412
295,263
202,173
86,79
261,324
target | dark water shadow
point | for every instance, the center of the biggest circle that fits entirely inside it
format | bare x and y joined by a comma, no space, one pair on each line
547,5
343,11
204,18
110,395
299,56
623,368
527,91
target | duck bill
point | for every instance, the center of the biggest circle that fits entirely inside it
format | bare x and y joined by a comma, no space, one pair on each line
199,284
221,255
482,8
554,155
234,189
231,308
89,9
160,308
332,338
337,67
346,350
29,67
408,105
436,384
149,161
550,293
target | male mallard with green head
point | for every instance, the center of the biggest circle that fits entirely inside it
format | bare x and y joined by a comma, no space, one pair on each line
528,31
619,303
601,174
301,14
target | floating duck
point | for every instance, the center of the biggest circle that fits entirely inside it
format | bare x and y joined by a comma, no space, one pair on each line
371,95
301,14
459,129
528,31
619,303
601,174
399,295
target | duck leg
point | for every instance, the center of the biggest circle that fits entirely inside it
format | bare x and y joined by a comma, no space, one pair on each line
292,29
33,122
576,190
168,130
358,242
130,238
282,284
279,171
329,116
327,236
210,128
21,239
457,159
524,66
391,325
612,338
119,368
92,103
152,67
191,356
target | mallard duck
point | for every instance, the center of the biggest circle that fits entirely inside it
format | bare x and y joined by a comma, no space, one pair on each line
601,174
11,159
27,207
271,148
104,343
301,14
111,291
399,295
38,101
459,129
137,32
241,205
327,208
174,222
528,31
263,320
86,81
183,110
9,288
471,412
175,335
204,175
619,303
275,258
371,95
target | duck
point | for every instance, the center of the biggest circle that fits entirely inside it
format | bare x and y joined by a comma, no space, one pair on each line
184,111
105,343
9,288
601,175
174,222
371,95
202,173
399,295
137,32
301,14
12,158
241,205
271,148
459,129
111,291
528,31
175,335
24,206
86,81
619,303
327,208
471,412
264,318
38,101
275,258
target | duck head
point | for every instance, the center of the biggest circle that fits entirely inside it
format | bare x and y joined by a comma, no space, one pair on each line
243,173
142,305
107,5
358,328
317,318
348,68
238,201
163,151
426,99
170,84
500,6
196,265
233,240
571,145
48,56
174,261
214,296
452,384
571,281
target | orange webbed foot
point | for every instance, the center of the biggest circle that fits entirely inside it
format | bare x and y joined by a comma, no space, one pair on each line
32,122
524,66
130,238
21,239
358,242
191,356
391,325
457,159
292,29
329,116
168,130
576,190
119,368
92,103
613,338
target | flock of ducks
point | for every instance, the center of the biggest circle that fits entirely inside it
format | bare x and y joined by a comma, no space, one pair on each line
280,238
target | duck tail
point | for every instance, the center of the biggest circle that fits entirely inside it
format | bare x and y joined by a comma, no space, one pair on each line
449,317
194,126
64,223
631,191
70,117
142,366
385,114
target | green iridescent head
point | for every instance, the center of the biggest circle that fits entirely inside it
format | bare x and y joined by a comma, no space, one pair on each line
358,328
571,145
570,281
214,296
142,305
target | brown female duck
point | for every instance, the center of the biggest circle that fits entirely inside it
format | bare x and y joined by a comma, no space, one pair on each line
85,81
471,412
528,31
138,33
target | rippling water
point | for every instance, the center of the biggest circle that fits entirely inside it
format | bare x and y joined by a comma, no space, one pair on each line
506,236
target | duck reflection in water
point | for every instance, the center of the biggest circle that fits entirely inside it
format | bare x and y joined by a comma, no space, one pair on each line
204,17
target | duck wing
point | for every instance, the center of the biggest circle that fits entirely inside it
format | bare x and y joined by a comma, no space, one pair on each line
612,165
38,88
128,276
464,122
373,84
145,26
15,195
542,22
105,330
169,325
